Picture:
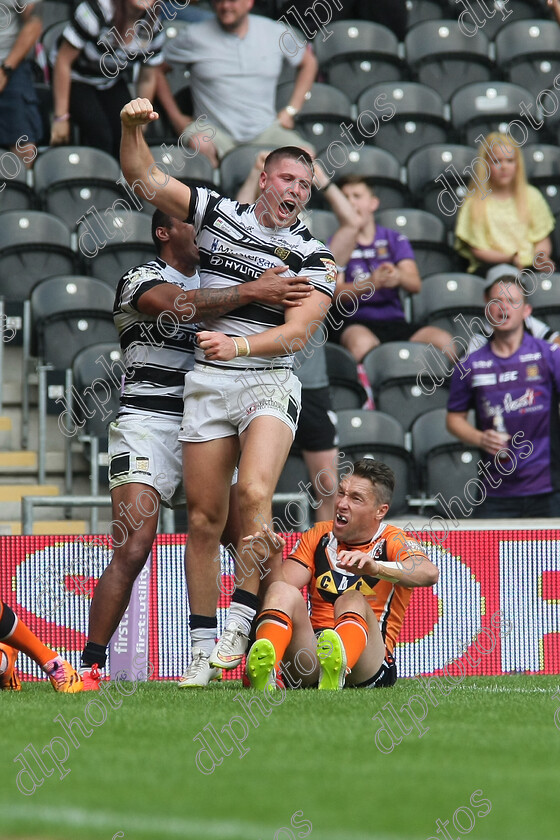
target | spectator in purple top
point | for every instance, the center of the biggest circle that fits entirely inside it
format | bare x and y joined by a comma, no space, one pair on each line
382,258
513,384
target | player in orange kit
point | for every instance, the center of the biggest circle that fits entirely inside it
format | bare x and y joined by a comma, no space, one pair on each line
360,572
16,636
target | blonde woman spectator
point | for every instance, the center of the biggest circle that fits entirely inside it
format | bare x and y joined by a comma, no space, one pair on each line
510,222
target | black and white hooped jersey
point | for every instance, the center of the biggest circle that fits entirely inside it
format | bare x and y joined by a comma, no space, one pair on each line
235,248
157,352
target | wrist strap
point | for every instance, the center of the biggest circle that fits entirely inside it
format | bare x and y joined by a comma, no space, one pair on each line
245,351
62,118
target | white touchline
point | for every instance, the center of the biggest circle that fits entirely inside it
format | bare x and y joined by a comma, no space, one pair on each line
165,827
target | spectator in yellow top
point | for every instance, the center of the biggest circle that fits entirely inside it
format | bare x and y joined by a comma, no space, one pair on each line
510,222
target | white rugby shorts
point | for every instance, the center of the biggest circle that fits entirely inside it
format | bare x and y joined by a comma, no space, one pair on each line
220,403
145,449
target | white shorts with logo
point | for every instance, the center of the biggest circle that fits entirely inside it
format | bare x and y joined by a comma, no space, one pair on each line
220,403
145,449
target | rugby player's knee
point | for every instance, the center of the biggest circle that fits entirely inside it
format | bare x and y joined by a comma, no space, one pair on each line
350,600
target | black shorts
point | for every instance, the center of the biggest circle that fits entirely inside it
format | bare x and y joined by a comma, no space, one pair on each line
384,678
384,330
316,429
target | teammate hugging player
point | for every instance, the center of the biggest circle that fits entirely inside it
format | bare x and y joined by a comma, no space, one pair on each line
241,396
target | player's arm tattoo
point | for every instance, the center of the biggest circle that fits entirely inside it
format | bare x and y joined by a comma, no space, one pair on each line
208,302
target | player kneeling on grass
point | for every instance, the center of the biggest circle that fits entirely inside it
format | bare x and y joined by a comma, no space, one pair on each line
360,572
16,636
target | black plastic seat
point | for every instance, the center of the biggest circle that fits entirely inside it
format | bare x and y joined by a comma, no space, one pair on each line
542,166
324,109
444,464
400,374
437,180
528,51
418,117
374,434
427,235
345,387
357,54
71,180
33,245
479,108
443,56
377,165
126,242
444,297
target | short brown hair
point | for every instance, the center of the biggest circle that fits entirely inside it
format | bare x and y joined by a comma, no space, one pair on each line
380,475
352,180
292,152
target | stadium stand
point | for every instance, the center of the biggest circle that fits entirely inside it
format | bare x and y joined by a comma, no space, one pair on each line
440,54
374,434
70,180
443,297
418,119
443,463
427,235
434,171
346,390
357,54
400,376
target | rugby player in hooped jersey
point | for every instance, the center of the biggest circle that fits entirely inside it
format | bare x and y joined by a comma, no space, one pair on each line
241,400
360,572
156,308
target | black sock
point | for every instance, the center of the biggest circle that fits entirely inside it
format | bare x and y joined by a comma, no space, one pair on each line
94,654
241,596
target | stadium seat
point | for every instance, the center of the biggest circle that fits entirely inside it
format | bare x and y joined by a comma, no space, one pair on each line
15,193
187,166
93,421
357,54
400,373
418,119
321,223
443,297
70,180
346,390
528,52
63,315
378,166
373,434
503,14
33,245
235,166
545,299
324,109
428,238
542,165
443,56
446,162
293,474
443,463
480,108
130,245
421,10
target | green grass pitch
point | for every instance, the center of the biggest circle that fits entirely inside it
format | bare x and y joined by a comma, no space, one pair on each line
135,776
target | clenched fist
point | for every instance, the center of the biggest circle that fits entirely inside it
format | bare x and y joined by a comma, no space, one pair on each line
138,112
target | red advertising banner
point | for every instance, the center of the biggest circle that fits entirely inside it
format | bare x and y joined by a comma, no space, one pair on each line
494,610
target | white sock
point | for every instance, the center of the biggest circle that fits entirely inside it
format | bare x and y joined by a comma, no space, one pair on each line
204,638
242,616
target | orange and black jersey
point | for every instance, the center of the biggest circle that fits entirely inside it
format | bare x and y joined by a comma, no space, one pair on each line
318,549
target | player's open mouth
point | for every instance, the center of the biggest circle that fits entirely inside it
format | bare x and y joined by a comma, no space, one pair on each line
287,207
341,520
